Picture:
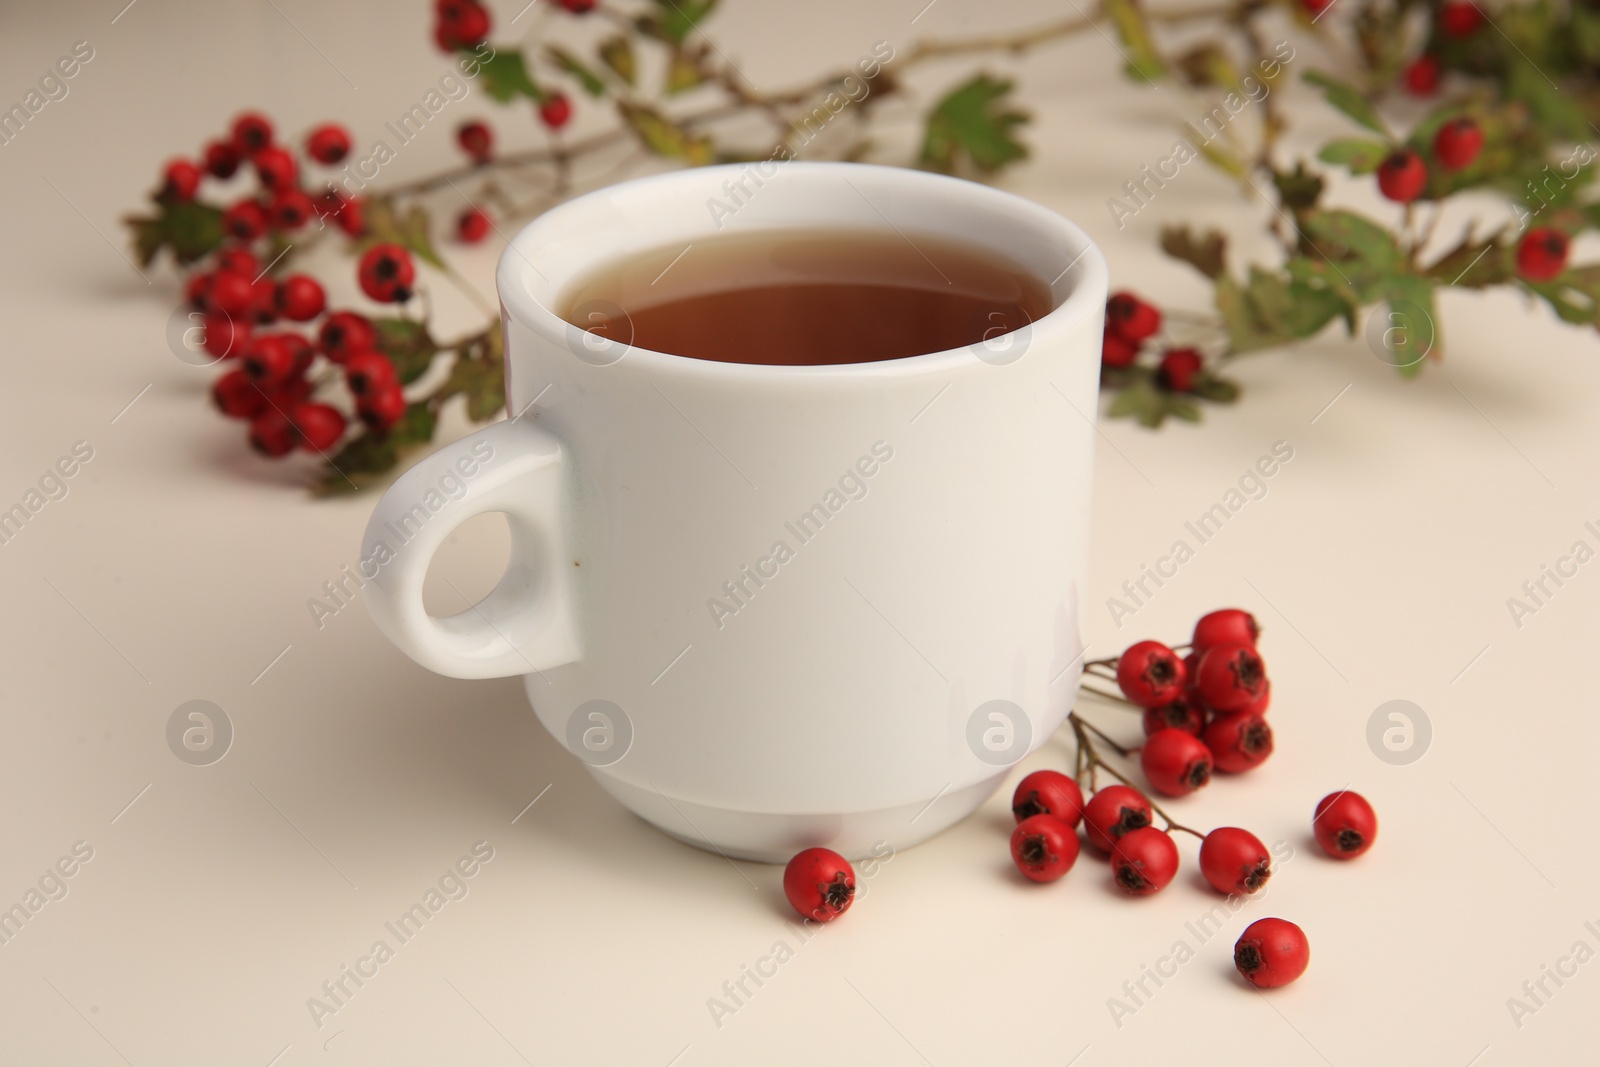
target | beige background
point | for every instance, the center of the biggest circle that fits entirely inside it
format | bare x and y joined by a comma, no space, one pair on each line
178,567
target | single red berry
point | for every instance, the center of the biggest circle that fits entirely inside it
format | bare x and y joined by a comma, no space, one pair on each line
368,372
353,218
251,133
1234,860
1229,626
1178,368
1144,861
328,144
1421,76
225,336
271,434
276,168
318,426
237,397
1402,175
346,212
1150,674
1175,762
1231,676
820,884
1458,143
1044,847
222,159
1239,741
1117,351
269,358
1542,254
1260,704
1345,824
1271,953
1315,8
197,290
300,298
239,259
476,140
180,180
386,274
556,110
290,209
345,333
264,302
461,24
577,7
472,225
1131,318
382,407
288,395
1048,793
230,293
1112,812
1459,18
304,353
245,220
1182,714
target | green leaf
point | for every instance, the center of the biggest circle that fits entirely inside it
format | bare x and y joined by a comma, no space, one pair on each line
683,73
1138,46
617,54
678,18
1299,189
190,229
1359,154
1206,253
1472,265
1348,100
368,455
408,345
664,137
1413,332
506,77
1139,400
572,65
973,124
482,382
1557,111
1215,388
1359,251
1272,310
1575,295
415,234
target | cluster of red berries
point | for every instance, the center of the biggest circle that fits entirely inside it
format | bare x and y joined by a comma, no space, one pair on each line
463,25
1130,322
1456,20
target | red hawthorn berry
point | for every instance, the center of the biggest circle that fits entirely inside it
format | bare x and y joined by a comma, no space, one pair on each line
290,209
1271,953
476,140
271,434
300,298
328,144
222,159
1542,254
382,407
231,293
252,132
225,337
1459,18
1182,714
264,301
275,167
180,180
1260,704
346,212
345,333
304,353
1315,8
556,110
472,226
318,426
197,290
270,358
352,218
1227,626
1117,351
1044,847
1113,812
820,884
1402,176
1239,741
1150,674
386,274
1176,762
1131,318
245,220
239,259
368,372
1422,75
1231,676
577,7
1345,824
286,396
1458,143
462,24
1144,861
1178,368
237,397
1048,793
1234,860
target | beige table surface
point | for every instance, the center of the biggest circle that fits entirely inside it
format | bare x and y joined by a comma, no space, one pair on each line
218,899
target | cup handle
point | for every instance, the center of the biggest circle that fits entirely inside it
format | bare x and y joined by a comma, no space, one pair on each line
527,622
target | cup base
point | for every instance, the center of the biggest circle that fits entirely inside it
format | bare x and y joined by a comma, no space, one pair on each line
767,838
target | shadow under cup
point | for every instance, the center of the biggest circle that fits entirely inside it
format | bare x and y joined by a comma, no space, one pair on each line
801,605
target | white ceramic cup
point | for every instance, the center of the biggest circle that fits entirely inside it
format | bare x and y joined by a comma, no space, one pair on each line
872,680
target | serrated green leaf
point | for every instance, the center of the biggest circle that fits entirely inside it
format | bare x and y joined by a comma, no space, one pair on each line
1360,155
1138,46
505,77
1206,253
664,137
678,18
482,383
574,66
1215,388
1472,265
408,345
1272,309
617,53
1299,189
1348,100
1575,296
1358,250
1182,408
190,229
973,125
416,235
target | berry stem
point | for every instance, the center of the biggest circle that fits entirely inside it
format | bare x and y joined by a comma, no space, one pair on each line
1089,758
1111,696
